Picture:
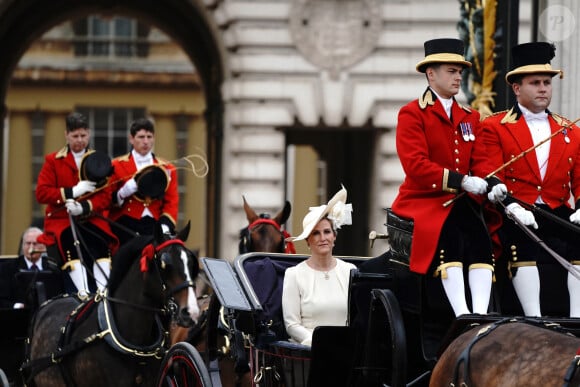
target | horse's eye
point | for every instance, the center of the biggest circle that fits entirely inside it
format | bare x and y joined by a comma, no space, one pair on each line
165,260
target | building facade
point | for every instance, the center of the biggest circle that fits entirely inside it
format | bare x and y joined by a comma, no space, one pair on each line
285,99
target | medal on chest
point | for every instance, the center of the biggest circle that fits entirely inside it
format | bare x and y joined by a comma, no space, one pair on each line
566,138
466,131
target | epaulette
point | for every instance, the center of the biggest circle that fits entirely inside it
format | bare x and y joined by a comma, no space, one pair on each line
497,113
164,162
511,117
426,99
464,107
62,153
124,157
561,120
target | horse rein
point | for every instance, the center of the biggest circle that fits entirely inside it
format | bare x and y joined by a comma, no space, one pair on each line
572,369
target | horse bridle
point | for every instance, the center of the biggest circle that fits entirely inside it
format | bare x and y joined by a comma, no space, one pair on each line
246,237
150,253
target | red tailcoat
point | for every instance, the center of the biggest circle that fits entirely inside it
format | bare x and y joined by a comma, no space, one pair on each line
134,206
506,135
55,181
435,157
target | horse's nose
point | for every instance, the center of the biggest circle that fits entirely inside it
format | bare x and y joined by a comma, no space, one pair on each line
184,319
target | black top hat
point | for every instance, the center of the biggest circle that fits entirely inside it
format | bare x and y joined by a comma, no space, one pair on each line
445,50
152,181
96,166
532,58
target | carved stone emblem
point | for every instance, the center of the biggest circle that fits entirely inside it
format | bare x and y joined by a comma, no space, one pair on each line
335,34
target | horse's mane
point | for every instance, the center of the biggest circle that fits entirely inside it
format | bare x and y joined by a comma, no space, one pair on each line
125,257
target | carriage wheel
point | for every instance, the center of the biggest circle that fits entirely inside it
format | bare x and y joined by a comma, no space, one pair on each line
3,379
386,339
183,366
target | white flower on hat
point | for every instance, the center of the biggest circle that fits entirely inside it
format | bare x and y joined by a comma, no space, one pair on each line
340,214
336,211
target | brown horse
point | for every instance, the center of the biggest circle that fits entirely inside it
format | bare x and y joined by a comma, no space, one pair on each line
263,234
510,352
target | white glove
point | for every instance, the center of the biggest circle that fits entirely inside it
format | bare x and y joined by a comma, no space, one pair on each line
128,189
475,185
498,193
73,207
83,187
575,217
165,229
520,213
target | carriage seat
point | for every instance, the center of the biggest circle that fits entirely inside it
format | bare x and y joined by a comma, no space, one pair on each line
262,275
331,356
266,277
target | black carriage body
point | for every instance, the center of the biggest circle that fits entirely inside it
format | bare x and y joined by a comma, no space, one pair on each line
388,338
38,286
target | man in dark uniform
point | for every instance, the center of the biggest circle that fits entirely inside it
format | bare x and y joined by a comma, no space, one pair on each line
545,178
442,155
15,293
66,191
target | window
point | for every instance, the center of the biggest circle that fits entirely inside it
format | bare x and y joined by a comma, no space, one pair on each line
110,128
181,123
37,133
115,37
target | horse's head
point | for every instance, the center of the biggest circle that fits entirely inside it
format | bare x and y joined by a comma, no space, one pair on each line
263,233
178,267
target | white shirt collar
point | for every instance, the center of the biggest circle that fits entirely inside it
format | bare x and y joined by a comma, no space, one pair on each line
142,161
446,102
529,116
78,157
29,263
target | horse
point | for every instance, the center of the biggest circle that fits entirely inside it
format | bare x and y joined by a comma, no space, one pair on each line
510,352
117,336
210,335
264,234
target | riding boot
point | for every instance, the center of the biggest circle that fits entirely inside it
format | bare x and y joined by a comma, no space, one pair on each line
78,274
574,291
101,271
480,279
454,286
527,286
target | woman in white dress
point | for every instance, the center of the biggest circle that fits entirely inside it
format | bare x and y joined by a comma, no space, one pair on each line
315,291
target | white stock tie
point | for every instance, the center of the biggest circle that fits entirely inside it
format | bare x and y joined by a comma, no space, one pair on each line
529,116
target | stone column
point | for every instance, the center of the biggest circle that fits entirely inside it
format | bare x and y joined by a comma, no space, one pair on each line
18,191
559,22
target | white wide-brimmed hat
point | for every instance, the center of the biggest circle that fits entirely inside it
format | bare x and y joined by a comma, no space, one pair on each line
337,210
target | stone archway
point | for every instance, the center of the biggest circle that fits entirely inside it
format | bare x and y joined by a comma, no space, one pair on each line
187,22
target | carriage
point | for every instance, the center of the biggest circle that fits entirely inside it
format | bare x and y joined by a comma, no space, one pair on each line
397,328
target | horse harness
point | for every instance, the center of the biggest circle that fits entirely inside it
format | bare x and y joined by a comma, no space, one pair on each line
572,369
108,328
464,357
246,245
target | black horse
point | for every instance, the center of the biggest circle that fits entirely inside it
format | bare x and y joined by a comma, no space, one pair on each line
119,337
